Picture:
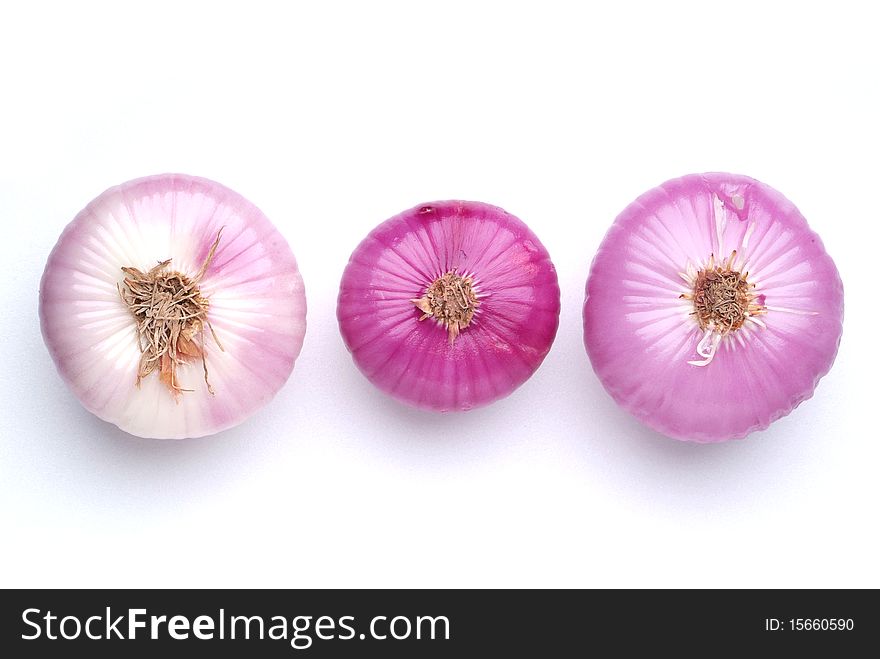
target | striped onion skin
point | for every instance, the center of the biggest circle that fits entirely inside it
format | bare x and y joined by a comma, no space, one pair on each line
254,289
641,328
414,360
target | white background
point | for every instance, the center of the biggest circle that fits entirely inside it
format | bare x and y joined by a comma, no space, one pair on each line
331,117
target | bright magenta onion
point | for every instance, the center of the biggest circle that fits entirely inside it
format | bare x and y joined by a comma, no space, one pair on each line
172,307
449,305
711,308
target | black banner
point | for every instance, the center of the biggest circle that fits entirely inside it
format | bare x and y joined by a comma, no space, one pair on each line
431,623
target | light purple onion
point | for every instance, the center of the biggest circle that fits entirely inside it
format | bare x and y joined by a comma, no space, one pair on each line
705,380
255,306
422,362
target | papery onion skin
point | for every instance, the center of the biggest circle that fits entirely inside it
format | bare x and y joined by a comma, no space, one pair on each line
256,305
419,363
640,335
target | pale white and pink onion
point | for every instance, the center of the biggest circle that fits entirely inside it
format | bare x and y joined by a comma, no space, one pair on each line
255,305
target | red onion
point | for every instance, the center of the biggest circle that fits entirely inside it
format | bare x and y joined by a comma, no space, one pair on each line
711,308
172,307
449,305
